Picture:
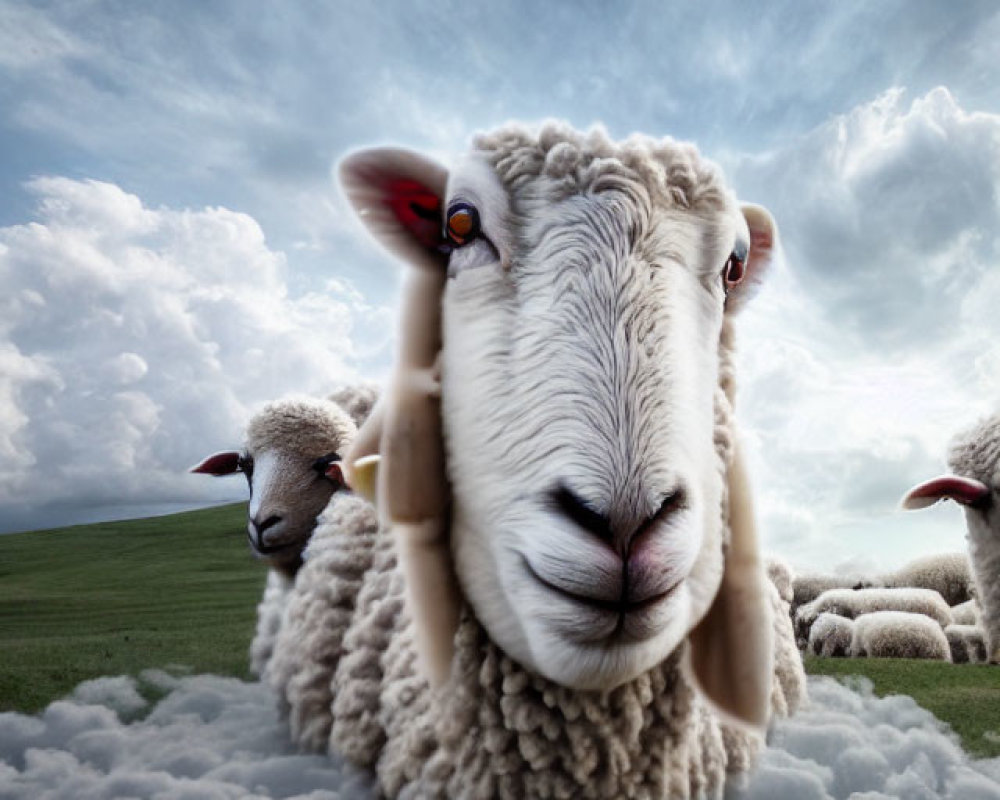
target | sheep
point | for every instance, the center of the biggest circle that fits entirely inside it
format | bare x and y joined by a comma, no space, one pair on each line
852,603
291,460
807,588
966,613
789,688
358,400
898,634
595,612
830,636
967,644
974,459
946,573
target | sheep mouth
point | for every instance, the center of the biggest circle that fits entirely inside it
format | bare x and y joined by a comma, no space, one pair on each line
626,620
272,549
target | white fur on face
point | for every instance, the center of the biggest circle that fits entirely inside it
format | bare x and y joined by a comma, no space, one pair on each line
584,355
285,486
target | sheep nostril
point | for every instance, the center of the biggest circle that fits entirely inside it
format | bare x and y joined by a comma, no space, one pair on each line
270,522
575,508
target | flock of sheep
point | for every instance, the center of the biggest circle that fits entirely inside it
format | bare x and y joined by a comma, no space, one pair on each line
356,622
927,609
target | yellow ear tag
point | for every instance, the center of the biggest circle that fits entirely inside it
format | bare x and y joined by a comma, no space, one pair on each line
363,476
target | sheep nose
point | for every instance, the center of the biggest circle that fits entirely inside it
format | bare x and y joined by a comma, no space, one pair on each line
638,545
623,533
259,528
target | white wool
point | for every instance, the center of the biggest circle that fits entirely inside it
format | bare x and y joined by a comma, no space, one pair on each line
948,574
830,636
898,634
966,613
967,643
269,613
853,603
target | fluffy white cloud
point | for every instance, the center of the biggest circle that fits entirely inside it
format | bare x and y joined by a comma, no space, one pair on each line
877,341
849,741
210,737
135,340
214,737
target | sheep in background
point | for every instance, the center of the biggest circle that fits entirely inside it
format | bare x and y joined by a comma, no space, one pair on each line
830,636
291,460
357,400
808,587
539,687
852,603
974,458
967,644
899,634
946,573
966,613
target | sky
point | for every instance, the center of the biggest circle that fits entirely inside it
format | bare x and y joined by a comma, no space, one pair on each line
174,250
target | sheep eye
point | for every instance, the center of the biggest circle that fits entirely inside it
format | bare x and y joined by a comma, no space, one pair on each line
736,266
245,465
321,464
462,223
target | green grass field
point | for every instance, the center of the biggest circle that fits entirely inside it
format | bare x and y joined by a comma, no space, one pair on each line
115,598
118,597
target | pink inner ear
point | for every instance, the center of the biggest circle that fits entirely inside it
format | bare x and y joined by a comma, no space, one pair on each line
225,463
336,474
966,491
417,208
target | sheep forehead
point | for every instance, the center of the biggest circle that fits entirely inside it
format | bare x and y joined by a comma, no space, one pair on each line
975,452
302,427
670,173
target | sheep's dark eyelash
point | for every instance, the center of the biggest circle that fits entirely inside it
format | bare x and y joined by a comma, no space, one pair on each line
321,464
245,464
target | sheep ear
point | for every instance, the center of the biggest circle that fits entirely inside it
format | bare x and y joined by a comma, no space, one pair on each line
763,248
966,491
732,648
225,462
398,196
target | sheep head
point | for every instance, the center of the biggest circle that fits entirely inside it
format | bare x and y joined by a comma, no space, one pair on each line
291,462
586,291
974,482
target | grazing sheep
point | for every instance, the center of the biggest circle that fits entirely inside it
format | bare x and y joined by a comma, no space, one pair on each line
830,636
291,463
899,634
807,588
852,603
974,458
966,613
946,573
608,596
967,644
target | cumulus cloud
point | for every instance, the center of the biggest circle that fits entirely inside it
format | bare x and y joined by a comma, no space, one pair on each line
210,737
875,342
851,744
135,340
213,737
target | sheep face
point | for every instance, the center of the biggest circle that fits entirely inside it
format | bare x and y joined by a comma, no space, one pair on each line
292,465
974,458
579,380
588,286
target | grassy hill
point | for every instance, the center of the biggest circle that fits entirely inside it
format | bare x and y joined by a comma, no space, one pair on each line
118,597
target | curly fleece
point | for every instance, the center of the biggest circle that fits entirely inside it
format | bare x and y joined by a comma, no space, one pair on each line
303,426
346,671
